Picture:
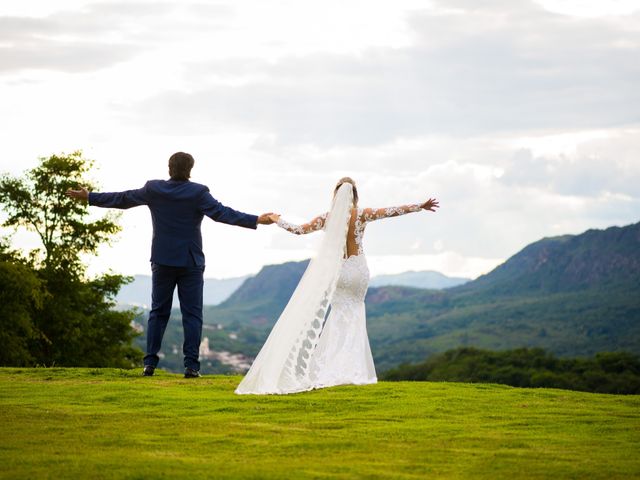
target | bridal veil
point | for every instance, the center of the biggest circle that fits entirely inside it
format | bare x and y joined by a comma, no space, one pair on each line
282,366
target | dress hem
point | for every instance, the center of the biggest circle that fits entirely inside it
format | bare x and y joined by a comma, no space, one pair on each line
314,387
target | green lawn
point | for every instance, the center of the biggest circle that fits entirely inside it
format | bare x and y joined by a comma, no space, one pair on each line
84,423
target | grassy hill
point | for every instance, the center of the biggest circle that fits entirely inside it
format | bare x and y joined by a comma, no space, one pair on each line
84,423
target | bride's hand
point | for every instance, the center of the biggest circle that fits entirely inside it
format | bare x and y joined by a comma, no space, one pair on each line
274,217
430,205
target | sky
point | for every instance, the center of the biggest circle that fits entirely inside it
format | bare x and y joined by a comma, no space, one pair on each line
521,117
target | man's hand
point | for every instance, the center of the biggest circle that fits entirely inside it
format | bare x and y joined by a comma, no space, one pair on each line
265,219
430,205
82,194
274,217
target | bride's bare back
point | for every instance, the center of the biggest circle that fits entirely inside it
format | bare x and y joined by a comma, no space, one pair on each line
352,246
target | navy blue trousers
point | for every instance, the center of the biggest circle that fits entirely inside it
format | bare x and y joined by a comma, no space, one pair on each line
189,281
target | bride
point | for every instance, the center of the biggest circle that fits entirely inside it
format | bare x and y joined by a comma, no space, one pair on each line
307,348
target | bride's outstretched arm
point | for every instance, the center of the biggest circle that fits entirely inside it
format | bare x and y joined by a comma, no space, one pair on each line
314,225
371,214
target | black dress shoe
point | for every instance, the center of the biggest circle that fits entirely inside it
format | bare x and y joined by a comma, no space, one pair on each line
148,371
191,373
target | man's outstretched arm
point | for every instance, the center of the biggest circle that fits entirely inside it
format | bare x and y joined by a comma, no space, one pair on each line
215,210
126,199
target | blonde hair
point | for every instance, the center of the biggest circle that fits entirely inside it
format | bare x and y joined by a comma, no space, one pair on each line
353,184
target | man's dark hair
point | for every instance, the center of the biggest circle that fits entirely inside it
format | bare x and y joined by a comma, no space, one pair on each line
180,165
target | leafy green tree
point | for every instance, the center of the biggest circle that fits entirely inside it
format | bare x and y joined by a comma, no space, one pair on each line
21,296
607,372
76,324
38,203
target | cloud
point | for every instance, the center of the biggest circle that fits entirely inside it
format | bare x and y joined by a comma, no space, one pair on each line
490,69
92,37
602,166
63,56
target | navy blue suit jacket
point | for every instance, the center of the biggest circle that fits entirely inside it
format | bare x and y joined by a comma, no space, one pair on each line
177,208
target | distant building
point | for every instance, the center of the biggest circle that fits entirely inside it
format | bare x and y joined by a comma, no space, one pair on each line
239,362
204,348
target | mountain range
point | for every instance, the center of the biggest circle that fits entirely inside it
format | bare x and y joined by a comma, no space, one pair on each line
217,290
425,279
572,295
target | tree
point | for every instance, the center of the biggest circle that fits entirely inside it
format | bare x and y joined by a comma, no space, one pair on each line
38,203
21,296
75,324
607,372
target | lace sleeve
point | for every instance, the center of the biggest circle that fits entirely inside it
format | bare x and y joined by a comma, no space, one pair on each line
314,225
372,214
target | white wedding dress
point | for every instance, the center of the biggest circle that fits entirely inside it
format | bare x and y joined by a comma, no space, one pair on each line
335,349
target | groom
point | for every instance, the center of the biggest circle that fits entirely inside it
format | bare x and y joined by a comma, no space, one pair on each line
177,207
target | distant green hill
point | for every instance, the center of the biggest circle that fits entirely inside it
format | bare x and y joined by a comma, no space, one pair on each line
260,299
572,295
597,259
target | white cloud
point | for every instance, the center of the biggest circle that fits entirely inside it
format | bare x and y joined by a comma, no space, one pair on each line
486,70
590,8
597,166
